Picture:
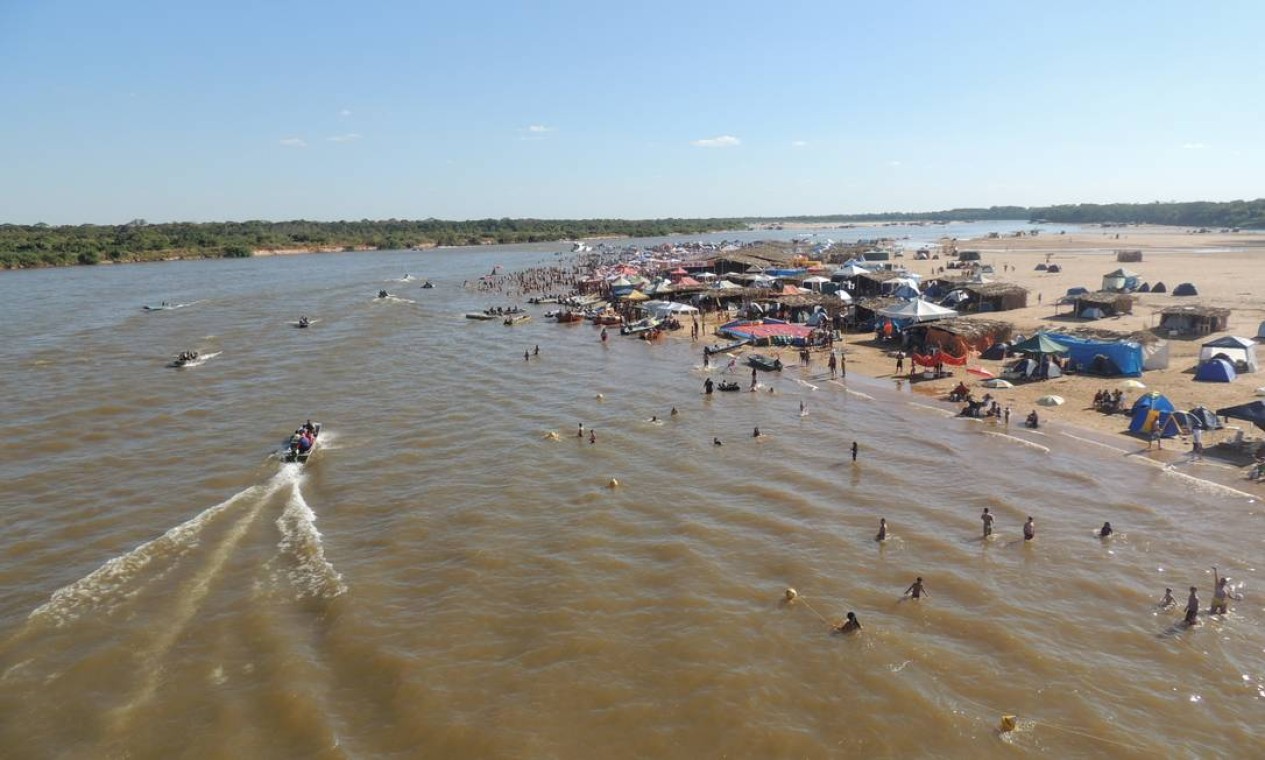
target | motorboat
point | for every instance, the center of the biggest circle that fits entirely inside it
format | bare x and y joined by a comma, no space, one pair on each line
766,363
295,450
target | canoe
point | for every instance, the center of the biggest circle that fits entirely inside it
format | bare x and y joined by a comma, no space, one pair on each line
291,453
479,315
640,326
515,319
766,363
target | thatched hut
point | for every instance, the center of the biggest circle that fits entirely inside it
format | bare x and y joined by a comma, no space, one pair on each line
959,336
994,296
871,283
1111,304
1194,319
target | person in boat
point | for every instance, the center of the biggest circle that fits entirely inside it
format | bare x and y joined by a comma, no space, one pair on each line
303,321
304,444
308,426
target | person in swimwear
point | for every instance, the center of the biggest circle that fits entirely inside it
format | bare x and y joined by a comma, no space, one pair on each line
916,590
882,529
850,625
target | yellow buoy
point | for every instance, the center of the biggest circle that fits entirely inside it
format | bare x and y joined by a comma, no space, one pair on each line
1007,724
791,594
613,484
552,435
599,397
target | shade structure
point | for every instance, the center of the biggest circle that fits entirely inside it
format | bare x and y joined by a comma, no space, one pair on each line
917,310
1050,401
997,382
1135,384
1039,344
1253,412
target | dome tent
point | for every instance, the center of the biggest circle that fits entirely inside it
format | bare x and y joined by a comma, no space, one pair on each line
1185,289
1146,411
1216,370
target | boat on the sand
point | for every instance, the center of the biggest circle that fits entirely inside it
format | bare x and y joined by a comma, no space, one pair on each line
766,363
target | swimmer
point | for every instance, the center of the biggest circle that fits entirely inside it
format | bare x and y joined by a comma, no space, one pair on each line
1105,530
987,519
1168,600
882,529
654,418
916,590
1221,594
592,436
674,411
802,411
716,442
850,625
1192,607
854,451
755,433
580,432
1029,530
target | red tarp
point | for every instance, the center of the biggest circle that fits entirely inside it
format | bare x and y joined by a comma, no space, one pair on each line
924,360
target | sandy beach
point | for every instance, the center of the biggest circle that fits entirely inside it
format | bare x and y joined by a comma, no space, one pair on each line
1226,269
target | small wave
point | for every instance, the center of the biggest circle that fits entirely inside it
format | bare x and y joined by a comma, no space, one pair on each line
1016,439
1207,486
936,409
312,574
1096,443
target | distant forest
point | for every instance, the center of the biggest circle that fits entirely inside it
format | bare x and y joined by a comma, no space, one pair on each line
1232,214
41,245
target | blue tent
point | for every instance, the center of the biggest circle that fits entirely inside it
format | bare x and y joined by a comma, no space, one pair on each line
1215,371
1125,355
1146,411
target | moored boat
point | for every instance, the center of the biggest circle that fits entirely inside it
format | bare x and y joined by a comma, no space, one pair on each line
640,326
569,316
766,363
479,315
515,319
728,385
302,443
720,349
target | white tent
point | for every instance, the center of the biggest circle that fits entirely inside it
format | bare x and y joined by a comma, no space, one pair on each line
850,270
917,310
668,308
844,296
1240,351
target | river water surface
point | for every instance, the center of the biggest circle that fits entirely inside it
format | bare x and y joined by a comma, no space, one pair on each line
445,580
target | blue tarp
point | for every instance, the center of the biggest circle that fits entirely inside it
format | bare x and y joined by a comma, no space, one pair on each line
1126,355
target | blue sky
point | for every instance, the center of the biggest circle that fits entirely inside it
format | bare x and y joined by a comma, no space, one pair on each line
321,110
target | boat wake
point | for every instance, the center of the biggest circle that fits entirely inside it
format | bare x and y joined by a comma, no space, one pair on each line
198,362
312,575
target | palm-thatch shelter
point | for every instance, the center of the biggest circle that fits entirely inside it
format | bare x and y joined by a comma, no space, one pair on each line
1111,304
1194,319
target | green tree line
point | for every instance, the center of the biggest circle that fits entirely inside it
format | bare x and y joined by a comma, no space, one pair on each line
43,245
1241,214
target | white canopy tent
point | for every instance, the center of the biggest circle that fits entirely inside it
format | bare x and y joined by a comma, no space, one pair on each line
917,310
1240,351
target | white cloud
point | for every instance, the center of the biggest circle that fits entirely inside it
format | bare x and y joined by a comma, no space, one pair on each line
723,141
538,129
344,113
1193,146
294,142
349,137
799,143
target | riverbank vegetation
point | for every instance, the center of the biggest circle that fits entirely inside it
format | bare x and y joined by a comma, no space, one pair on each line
41,245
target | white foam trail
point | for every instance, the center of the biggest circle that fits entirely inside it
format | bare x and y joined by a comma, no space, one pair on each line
189,601
1016,439
1096,443
312,575
805,383
858,394
1207,485
103,587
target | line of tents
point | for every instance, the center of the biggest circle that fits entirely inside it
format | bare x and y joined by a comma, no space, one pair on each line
1154,411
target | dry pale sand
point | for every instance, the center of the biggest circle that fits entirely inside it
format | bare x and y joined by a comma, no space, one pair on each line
1227,269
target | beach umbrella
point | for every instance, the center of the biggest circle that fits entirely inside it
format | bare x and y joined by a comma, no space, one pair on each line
1136,384
997,382
981,372
1050,401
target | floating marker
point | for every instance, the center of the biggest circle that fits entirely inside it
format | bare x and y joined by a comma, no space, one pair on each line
1007,724
613,484
791,594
